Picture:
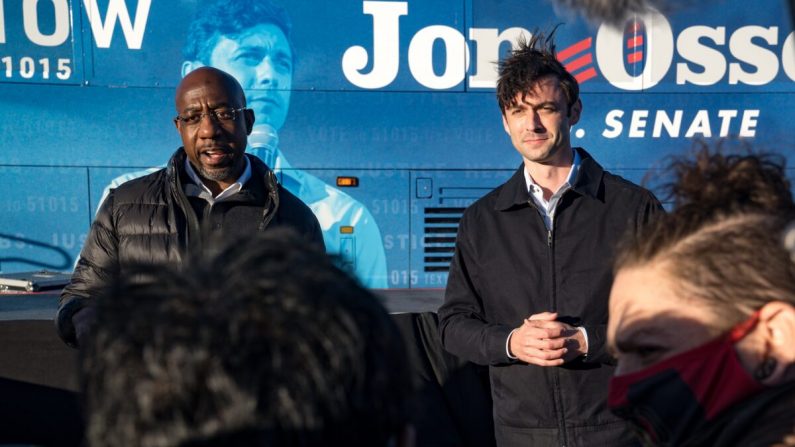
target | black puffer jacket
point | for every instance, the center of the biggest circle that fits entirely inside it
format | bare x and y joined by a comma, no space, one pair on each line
150,220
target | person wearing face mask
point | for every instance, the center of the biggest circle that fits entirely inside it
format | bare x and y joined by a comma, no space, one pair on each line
702,310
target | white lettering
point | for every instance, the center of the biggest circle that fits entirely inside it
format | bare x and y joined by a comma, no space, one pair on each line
704,52
742,47
659,53
488,42
386,39
726,118
748,125
45,68
671,121
2,23
788,56
117,10
613,120
6,243
64,70
638,123
26,67
672,127
31,23
421,57
691,49
7,62
700,125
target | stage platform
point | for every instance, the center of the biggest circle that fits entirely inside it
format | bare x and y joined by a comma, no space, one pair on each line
452,399
42,305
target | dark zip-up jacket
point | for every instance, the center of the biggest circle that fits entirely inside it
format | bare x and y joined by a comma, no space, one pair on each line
151,220
508,266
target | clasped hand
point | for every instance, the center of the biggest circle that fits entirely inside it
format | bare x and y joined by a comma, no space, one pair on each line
542,341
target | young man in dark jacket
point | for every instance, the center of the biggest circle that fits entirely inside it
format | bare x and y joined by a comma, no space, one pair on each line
210,186
528,287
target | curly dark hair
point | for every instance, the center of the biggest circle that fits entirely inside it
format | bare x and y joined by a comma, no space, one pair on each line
723,241
724,181
262,342
530,62
225,18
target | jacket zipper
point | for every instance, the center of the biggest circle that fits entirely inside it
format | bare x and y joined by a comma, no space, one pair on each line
555,377
557,401
192,237
207,218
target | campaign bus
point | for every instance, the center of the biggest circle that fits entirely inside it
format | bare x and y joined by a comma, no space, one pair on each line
381,115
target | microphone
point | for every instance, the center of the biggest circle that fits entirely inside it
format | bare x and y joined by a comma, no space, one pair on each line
263,142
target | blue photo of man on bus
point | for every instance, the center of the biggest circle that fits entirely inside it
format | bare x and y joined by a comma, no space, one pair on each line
250,39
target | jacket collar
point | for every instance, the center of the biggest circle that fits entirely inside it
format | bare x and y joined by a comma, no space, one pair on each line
175,169
261,170
261,174
271,187
587,183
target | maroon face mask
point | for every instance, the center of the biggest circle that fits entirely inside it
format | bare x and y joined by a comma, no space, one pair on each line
671,400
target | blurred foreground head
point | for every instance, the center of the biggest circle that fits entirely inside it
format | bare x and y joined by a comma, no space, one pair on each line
263,343
615,12
702,310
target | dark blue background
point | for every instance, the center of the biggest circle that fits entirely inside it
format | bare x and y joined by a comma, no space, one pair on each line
64,140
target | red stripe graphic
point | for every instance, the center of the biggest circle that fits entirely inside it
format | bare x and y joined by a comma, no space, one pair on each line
574,49
578,63
635,57
635,41
585,75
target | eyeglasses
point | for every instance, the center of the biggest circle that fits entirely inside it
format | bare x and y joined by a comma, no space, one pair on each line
222,116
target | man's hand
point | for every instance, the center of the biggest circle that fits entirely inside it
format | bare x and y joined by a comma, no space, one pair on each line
542,341
83,320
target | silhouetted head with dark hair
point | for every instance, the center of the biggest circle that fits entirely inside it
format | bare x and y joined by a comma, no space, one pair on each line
714,183
716,270
705,240
616,12
262,343
530,62
709,190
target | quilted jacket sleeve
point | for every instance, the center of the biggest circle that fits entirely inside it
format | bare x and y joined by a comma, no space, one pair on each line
94,271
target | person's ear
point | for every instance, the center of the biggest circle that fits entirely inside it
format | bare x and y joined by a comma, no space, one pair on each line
189,66
248,115
574,112
505,123
777,325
